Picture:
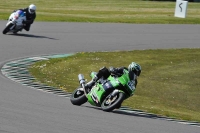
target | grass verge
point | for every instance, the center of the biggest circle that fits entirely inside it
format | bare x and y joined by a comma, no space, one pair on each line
169,83
114,11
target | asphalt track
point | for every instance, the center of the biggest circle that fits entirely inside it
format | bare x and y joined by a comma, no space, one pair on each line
27,110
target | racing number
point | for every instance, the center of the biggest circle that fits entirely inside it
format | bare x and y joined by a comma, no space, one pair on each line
131,85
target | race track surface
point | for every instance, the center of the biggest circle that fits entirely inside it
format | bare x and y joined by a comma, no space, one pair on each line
27,110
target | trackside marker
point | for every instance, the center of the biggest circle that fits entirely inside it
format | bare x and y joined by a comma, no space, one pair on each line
181,8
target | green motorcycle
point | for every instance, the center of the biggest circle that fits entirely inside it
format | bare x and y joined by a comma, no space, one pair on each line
107,93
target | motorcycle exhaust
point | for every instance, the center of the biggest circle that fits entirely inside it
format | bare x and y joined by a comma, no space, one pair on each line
81,79
82,82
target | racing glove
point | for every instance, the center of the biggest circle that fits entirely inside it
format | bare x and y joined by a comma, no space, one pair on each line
23,22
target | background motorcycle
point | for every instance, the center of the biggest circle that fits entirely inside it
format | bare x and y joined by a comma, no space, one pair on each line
15,22
117,90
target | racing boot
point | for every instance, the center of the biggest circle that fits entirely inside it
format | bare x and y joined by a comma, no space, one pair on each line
91,83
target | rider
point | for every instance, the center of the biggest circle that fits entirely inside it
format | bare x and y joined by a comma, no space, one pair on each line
134,70
30,16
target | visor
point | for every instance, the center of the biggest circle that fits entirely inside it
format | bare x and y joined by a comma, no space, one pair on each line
32,11
137,72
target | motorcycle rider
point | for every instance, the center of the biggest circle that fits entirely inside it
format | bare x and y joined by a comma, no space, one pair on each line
134,70
30,16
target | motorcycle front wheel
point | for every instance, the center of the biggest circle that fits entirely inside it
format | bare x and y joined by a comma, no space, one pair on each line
112,102
7,28
78,97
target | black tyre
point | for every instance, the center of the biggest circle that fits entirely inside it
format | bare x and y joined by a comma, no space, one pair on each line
112,102
7,28
78,97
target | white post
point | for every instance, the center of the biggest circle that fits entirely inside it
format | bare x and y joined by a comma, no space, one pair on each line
181,8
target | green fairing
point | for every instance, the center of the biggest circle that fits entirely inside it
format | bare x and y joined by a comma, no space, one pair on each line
92,75
124,80
98,90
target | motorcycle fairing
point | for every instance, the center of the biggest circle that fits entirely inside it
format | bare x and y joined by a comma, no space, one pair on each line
127,83
94,96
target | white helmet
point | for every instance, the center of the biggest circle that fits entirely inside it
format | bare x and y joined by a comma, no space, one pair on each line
136,68
32,9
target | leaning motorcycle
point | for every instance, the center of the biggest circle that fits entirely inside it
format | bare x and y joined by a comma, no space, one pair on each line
15,22
107,93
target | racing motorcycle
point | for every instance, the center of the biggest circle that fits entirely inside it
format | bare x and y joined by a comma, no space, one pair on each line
15,22
107,93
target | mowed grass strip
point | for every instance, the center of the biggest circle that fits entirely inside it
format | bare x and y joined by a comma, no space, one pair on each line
169,84
114,11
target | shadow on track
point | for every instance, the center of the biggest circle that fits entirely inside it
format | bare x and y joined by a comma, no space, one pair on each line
33,36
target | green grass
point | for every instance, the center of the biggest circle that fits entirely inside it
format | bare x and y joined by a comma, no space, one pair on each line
169,83
114,11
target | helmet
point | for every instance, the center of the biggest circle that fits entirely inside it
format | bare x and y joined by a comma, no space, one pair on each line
32,9
134,67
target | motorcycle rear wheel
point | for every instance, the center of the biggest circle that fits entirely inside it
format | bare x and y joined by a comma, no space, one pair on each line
78,97
112,102
7,28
